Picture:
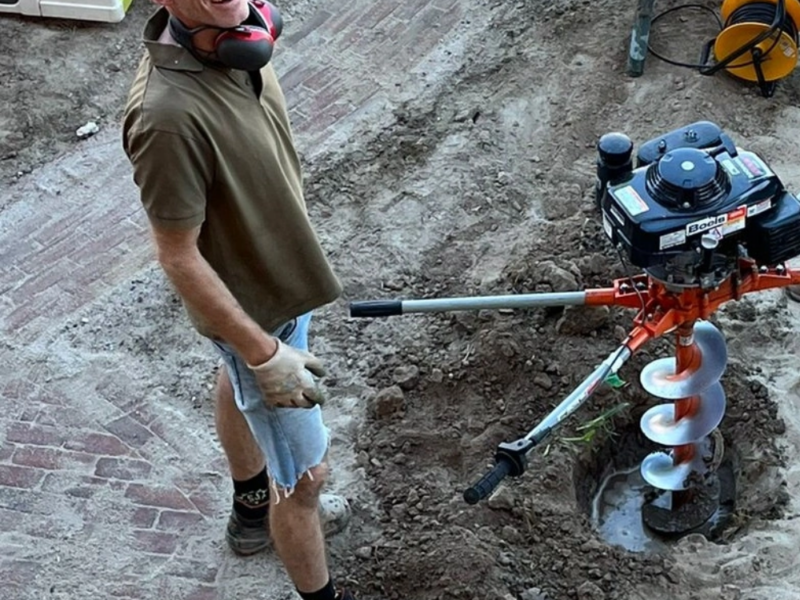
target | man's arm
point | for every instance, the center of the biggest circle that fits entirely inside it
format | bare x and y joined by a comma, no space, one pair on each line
206,295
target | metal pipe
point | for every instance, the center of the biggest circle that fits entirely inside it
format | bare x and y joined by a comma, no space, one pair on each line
640,37
386,308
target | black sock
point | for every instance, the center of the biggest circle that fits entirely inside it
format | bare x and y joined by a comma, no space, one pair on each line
326,593
251,497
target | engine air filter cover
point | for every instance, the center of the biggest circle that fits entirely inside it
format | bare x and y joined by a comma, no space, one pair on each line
687,178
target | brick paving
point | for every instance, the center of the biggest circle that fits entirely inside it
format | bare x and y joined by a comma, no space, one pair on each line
95,500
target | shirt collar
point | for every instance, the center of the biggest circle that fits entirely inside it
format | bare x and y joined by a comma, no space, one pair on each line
167,56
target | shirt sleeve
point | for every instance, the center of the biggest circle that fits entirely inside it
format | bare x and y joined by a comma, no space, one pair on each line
173,173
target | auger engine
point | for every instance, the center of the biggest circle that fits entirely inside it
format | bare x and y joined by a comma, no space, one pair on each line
693,205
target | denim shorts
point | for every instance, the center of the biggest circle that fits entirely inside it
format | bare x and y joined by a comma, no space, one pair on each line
293,440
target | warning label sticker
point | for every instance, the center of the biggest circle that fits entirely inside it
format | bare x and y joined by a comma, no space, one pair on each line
670,240
730,167
631,201
757,209
752,166
735,221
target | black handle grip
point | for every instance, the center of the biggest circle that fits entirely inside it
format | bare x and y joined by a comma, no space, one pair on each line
488,482
376,308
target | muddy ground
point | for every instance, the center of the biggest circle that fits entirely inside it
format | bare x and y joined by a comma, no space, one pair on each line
477,182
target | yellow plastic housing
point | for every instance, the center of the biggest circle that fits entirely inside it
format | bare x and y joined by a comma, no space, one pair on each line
777,64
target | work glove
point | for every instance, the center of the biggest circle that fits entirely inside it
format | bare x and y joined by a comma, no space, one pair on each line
286,380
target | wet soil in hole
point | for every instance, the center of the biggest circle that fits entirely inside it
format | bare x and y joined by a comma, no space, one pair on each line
749,484
611,491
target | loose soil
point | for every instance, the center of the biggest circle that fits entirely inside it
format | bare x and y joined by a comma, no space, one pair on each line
480,183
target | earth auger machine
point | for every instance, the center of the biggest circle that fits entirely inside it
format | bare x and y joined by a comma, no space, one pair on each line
707,223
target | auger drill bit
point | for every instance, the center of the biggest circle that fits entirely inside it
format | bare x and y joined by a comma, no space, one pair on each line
683,473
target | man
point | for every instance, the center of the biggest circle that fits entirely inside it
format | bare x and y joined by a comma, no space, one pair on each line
208,136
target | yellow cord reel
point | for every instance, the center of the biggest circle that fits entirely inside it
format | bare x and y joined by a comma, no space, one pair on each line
759,41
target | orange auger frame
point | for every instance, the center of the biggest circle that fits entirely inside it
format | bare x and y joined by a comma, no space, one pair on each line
665,310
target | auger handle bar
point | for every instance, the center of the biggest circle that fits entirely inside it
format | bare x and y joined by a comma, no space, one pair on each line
389,308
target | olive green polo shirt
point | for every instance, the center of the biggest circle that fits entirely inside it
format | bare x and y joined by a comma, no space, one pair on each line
207,152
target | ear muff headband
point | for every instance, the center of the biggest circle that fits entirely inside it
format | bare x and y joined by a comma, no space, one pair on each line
247,47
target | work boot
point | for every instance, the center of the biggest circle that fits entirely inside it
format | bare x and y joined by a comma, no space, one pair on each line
334,514
247,536
250,536
792,292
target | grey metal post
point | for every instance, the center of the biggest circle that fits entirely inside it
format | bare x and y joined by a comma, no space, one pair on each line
388,308
640,36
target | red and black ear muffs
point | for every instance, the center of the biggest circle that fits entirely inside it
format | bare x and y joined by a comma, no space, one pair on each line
247,47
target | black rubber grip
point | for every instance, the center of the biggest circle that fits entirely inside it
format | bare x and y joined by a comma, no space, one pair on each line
488,482
376,308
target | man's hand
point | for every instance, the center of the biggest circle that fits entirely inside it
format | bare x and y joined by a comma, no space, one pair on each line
286,379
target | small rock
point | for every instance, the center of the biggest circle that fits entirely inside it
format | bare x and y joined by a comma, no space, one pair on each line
87,130
501,499
590,591
592,545
387,402
730,592
503,178
693,542
486,534
406,377
394,285
510,533
506,559
580,320
533,594
559,279
469,114
437,376
672,577
398,510
364,553
543,380
594,263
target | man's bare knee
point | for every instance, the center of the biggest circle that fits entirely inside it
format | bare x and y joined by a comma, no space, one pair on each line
306,492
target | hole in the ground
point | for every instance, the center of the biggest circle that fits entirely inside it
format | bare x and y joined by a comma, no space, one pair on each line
612,493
